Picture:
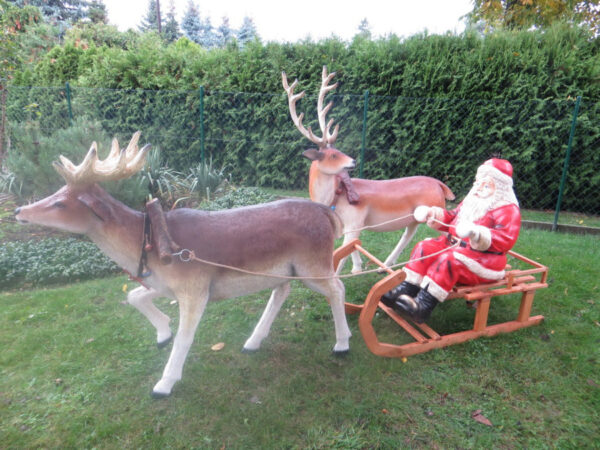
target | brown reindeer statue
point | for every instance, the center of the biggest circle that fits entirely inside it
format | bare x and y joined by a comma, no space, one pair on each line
379,205
270,244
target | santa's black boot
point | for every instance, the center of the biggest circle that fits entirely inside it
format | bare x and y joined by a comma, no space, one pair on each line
419,308
404,288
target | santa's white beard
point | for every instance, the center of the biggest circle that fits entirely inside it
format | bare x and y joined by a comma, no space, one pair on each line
474,208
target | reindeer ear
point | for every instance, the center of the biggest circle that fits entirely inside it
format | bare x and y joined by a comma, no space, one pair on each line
313,154
98,207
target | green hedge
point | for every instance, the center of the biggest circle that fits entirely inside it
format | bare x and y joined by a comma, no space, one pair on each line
439,105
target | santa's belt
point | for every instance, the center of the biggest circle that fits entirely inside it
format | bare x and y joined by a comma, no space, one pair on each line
461,243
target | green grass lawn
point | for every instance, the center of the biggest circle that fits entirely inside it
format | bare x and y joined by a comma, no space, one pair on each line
78,365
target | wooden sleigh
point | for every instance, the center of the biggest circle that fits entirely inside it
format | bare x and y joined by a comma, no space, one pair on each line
525,281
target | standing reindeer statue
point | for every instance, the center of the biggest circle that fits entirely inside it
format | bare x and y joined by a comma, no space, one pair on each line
252,248
382,205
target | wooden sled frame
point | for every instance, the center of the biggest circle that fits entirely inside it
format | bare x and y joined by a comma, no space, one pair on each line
523,281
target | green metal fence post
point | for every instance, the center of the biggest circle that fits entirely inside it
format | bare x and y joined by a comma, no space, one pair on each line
364,135
68,90
563,179
202,124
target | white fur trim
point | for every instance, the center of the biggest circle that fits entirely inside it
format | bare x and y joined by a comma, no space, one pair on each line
483,240
420,213
412,276
478,269
434,289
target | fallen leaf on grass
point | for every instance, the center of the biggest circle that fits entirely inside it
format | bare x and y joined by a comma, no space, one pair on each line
218,346
481,418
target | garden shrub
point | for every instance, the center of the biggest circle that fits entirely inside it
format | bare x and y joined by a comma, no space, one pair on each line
30,158
49,261
238,197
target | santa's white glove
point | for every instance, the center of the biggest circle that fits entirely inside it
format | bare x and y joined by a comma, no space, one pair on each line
479,236
467,230
428,214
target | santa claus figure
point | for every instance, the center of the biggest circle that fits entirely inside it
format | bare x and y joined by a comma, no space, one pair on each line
478,234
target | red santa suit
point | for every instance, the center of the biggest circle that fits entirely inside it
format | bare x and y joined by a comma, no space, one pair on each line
482,241
466,264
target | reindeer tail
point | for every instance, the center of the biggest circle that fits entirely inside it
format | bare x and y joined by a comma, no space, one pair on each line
448,194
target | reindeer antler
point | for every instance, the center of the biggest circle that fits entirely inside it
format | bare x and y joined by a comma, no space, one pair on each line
328,137
118,164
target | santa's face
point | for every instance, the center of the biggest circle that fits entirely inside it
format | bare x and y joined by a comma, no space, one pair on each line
484,187
479,200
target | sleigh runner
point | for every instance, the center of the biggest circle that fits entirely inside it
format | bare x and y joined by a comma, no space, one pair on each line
523,281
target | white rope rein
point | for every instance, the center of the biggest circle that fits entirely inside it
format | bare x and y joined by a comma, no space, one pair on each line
367,227
187,255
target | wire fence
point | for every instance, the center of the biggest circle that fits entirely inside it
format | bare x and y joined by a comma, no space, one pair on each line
552,144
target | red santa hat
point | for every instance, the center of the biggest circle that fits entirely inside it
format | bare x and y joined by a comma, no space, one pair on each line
499,169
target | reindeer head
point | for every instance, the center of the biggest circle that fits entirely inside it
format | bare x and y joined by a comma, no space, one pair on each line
82,204
328,159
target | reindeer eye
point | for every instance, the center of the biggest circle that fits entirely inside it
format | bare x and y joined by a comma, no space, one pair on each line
59,204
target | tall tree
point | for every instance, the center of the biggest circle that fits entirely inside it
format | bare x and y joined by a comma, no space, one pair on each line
224,32
523,14
247,31
150,21
208,37
364,29
57,10
171,29
97,12
13,22
191,24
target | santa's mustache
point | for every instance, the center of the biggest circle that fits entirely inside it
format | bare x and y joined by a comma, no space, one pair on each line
474,208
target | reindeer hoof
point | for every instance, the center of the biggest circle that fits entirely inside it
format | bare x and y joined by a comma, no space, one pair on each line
159,395
341,353
164,343
249,351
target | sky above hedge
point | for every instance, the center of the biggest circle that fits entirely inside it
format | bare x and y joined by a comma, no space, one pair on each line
290,22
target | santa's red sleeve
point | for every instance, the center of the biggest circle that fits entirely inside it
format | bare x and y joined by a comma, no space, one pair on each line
504,227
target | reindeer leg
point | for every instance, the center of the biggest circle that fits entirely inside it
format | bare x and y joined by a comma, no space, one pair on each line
263,327
141,299
356,261
408,234
191,309
335,291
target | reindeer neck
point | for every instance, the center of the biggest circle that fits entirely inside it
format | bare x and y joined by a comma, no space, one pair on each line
321,186
120,238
